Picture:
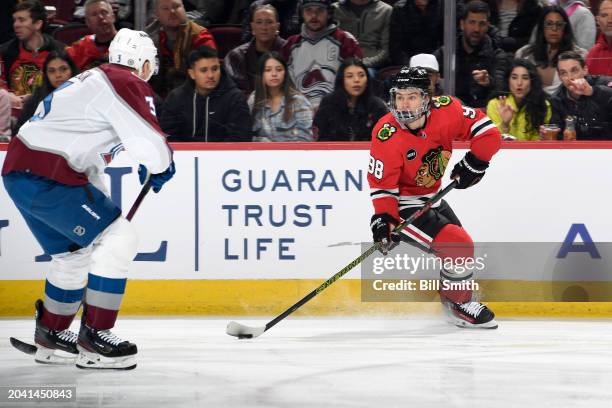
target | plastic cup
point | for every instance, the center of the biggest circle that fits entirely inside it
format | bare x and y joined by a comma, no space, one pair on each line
551,131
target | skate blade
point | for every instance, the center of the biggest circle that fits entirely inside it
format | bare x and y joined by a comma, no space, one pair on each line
94,361
46,355
492,325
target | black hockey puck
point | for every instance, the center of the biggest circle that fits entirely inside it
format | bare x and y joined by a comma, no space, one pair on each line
245,336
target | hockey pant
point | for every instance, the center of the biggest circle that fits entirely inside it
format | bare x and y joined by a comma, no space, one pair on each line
439,231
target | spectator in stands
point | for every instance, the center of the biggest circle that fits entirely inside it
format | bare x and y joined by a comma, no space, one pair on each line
288,17
175,37
314,55
430,64
5,116
208,107
352,110
124,10
554,35
416,27
21,58
368,21
57,68
92,50
241,62
599,58
480,65
586,97
521,105
515,21
280,113
582,22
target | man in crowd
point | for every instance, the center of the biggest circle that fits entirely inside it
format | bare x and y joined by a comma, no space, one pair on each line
208,107
480,64
599,58
241,62
315,54
22,58
92,50
175,36
588,98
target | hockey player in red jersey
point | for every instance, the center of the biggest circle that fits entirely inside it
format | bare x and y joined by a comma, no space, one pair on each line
53,173
410,150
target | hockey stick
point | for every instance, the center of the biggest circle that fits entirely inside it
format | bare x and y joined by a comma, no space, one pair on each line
143,193
31,348
245,332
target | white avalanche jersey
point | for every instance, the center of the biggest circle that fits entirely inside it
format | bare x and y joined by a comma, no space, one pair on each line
79,128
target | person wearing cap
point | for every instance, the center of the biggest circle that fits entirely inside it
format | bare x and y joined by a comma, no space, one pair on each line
429,62
314,55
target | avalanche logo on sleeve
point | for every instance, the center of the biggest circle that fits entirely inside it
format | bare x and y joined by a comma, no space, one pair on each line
432,169
385,132
110,155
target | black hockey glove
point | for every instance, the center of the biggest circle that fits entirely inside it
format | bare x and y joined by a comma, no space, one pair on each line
469,171
382,230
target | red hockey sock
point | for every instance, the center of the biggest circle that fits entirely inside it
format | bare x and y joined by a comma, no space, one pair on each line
454,243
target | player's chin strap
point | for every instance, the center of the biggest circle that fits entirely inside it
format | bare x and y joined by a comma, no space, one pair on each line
245,332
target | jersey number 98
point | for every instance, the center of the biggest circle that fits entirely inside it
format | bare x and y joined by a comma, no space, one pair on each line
376,168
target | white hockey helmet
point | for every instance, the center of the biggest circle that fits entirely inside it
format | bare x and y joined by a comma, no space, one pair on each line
132,49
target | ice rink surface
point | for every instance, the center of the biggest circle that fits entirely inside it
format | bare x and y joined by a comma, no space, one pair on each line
412,362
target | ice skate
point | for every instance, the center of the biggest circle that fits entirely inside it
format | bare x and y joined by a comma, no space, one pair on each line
101,349
472,315
53,347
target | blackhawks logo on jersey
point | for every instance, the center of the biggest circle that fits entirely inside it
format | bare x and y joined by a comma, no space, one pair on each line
439,101
385,132
432,169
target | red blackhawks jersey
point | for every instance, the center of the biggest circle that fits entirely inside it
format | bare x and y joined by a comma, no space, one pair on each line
406,168
87,53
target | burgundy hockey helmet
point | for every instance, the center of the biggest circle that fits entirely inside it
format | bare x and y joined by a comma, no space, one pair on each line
410,78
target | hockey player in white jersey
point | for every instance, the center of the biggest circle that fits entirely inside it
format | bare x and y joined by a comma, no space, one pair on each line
52,172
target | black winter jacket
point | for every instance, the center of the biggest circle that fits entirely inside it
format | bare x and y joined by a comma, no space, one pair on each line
593,113
221,116
334,122
487,57
413,32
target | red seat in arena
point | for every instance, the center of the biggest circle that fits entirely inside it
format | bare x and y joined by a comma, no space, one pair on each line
227,37
71,32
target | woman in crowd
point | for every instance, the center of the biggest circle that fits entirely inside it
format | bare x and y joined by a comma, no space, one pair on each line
280,112
351,111
57,69
553,36
522,105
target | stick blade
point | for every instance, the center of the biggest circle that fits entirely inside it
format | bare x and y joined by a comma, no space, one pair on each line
23,346
243,332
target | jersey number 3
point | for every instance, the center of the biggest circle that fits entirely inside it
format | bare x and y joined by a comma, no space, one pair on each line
376,168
